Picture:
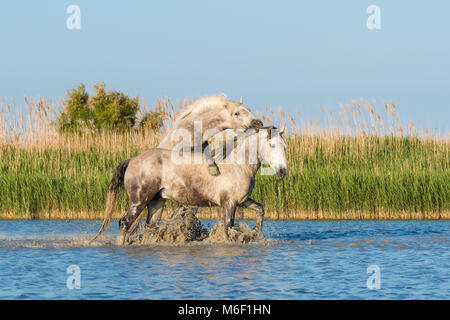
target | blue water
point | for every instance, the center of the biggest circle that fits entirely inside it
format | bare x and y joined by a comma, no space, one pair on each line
306,260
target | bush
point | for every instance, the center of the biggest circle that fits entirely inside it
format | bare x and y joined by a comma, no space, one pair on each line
77,115
107,110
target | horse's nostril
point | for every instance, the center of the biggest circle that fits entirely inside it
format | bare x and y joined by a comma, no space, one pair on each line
256,124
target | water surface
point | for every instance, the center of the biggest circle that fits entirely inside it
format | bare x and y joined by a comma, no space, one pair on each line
306,260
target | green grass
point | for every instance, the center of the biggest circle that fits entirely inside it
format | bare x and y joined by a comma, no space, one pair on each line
382,176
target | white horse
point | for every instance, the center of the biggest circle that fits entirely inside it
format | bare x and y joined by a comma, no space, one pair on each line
152,177
205,118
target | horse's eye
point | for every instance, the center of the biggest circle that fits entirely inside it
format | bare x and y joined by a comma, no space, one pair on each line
236,114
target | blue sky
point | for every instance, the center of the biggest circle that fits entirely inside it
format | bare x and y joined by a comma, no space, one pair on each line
287,54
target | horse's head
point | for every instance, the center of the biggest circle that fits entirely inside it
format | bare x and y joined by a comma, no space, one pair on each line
239,117
211,115
220,113
272,149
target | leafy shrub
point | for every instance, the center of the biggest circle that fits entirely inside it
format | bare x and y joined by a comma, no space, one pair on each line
77,115
106,110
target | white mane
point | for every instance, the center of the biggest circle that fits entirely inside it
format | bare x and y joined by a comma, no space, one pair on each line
204,104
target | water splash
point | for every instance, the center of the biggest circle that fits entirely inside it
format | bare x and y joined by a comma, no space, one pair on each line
184,227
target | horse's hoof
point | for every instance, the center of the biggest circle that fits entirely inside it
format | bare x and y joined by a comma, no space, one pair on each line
120,239
213,170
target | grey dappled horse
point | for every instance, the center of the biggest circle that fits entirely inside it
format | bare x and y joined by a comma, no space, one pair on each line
153,176
202,120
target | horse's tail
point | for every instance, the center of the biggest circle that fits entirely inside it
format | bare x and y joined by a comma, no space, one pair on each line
112,195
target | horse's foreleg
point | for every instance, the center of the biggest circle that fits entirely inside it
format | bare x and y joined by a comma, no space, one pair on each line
258,207
228,212
127,221
213,169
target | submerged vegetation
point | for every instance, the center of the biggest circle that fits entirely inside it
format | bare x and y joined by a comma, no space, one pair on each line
360,164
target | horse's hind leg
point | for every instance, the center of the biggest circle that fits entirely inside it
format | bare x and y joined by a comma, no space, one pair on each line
127,220
258,207
140,194
155,209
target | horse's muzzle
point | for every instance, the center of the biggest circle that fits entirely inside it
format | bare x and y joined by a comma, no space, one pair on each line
256,124
282,172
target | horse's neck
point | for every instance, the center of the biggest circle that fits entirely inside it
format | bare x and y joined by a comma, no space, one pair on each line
207,121
250,168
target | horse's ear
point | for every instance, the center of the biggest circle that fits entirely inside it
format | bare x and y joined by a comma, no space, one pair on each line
283,129
241,101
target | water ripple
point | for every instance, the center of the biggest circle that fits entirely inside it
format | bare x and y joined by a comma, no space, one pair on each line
308,260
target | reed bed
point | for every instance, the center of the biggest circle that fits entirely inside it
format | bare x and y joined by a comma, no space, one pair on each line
358,162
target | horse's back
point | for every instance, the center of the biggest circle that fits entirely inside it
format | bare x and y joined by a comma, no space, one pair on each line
149,162
188,182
